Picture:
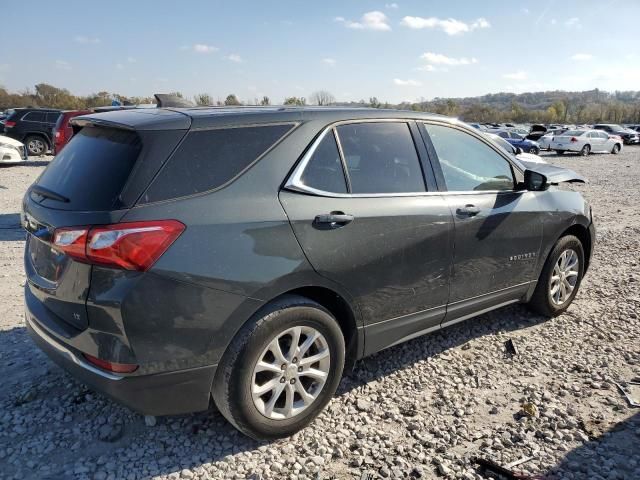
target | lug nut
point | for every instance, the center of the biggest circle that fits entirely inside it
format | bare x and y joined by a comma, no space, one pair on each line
293,380
299,369
295,359
283,366
282,379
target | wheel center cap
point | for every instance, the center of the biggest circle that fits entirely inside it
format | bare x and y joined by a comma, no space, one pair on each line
291,371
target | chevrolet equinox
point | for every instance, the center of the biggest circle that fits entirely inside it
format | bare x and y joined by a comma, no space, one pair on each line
251,255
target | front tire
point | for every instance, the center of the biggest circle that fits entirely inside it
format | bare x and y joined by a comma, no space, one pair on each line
534,150
616,149
281,369
560,278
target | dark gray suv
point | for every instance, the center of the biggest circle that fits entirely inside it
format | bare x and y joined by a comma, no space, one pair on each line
250,255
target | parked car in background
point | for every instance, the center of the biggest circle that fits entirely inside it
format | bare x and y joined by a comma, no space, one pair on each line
11,151
33,127
62,132
513,150
585,142
518,140
635,128
545,140
628,136
163,280
535,132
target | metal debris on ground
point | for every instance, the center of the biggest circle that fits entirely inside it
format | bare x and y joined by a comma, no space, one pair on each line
510,348
529,409
498,472
627,395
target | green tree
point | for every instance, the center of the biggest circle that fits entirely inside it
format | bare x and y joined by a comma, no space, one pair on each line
203,99
232,100
299,101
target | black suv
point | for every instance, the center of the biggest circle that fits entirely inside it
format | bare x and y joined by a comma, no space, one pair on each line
628,135
252,254
33,127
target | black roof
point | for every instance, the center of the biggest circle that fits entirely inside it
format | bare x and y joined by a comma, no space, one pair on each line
207,117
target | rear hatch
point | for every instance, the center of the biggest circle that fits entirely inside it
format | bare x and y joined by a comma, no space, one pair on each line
95,180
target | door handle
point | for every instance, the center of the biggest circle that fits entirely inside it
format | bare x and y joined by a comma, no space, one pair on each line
468,211
333,220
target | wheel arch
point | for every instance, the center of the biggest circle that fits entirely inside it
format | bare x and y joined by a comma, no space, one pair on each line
582,233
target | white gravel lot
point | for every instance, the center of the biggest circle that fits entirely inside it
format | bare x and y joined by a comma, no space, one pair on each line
424,409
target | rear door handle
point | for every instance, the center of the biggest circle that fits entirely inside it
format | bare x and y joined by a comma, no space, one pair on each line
468,210
333,220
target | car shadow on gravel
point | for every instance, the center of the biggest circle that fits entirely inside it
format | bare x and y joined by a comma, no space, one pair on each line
10,228
62,410
606,455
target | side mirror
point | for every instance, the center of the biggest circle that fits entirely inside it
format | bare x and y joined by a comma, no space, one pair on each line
534,181
518,150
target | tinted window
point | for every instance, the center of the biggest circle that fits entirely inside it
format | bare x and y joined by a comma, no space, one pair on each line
92,169
324,170
52,117
381,158
467,163
503,134
207,159
34,117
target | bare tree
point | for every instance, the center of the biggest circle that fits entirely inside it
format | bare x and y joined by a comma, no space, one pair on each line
203,99
322,97
265,101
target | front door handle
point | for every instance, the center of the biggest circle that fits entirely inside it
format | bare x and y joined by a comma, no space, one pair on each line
332,220
468,211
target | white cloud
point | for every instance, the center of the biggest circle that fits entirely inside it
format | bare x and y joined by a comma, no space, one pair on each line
63,65
370,21
439,59
407,83
85,40
203,48
234,57
519,75
119,66
525,11
553,21
450,26
573,22
581,56
329,61
131,60
392,6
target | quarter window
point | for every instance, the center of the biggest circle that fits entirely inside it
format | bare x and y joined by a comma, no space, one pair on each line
381,158
469,164
324,170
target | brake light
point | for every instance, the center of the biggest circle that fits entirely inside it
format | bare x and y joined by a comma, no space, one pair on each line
130,246
110,366
573,139
9,124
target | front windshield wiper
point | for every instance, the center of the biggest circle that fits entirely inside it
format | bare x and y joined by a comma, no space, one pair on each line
46,193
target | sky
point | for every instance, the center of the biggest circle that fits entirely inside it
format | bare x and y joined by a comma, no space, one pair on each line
355,49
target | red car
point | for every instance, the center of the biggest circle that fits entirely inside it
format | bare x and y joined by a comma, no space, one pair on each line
63,132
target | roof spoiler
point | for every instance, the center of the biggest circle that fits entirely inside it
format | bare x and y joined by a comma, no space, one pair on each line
166,100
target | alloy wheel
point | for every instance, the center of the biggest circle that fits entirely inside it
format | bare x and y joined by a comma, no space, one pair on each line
290,373
36,146
564,277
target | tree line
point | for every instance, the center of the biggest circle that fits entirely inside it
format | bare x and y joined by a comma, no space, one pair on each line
533,107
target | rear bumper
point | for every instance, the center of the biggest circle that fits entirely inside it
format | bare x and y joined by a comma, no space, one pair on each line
168,393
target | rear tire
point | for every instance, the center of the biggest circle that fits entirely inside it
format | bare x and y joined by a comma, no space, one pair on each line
36,145
616,149
585,151
551,302
250,365
534,150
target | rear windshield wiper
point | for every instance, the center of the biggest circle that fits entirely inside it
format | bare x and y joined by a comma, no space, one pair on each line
46,193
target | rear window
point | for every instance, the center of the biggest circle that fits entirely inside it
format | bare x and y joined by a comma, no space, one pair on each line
208,159
92,169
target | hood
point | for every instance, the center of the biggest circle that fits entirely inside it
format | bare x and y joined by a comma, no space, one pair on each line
530,157
10,141
554,174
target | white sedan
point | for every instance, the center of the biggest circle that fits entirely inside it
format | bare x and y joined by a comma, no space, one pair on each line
585,142
11,151
545,140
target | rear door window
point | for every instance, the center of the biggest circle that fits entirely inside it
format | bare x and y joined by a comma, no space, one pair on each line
34,117
208,159
52,117
381,158
92,169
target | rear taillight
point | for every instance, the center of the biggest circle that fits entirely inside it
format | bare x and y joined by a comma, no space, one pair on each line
110,366
9,124
573,139
131,246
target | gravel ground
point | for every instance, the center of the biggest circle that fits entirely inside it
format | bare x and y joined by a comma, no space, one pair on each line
424,409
